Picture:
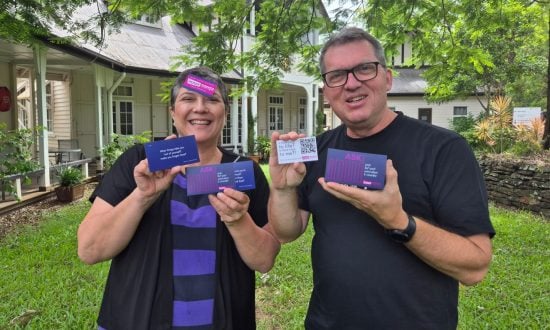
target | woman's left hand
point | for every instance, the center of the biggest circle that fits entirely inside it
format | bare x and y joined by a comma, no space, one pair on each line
231,205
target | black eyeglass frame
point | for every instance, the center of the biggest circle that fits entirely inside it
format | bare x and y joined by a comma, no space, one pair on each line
352,70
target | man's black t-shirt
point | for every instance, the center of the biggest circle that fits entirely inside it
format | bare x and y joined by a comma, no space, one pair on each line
363,279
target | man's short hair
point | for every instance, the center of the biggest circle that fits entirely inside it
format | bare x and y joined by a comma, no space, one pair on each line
349,35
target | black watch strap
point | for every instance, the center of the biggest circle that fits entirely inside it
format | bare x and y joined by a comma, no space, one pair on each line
403,236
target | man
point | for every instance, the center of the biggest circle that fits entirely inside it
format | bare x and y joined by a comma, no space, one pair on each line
391,258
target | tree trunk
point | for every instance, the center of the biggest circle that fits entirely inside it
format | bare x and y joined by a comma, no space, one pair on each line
546,134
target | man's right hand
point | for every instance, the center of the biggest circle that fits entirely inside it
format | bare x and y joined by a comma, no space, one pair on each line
284,176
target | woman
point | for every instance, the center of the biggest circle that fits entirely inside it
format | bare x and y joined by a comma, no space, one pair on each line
179,261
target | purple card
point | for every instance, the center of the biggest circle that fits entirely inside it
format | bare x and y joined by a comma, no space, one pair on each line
356,168
169,153
214,178
199,85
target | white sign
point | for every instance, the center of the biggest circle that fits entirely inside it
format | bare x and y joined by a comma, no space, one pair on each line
523,116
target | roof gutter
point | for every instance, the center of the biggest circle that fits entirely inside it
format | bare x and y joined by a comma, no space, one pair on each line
105,61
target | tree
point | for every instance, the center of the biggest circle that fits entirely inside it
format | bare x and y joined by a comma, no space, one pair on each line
473,47
282,28
320,121
496,47
482,48
26,21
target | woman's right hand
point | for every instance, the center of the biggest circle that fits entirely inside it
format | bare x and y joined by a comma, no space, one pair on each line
151,184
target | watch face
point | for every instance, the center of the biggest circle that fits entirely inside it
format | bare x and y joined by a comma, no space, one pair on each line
399,236
403,236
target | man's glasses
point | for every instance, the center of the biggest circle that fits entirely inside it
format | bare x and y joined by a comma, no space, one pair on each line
362,72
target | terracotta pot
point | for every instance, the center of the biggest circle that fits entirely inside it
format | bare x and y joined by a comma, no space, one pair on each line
69,193
255,158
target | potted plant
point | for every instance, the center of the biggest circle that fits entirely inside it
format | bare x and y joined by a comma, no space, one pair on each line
252,152
263,147
70,184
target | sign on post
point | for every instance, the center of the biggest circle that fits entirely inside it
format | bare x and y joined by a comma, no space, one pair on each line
523,116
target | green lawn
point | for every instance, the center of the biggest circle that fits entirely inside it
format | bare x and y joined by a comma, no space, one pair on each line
40,275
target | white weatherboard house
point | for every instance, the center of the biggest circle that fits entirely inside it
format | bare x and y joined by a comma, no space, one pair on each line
84,94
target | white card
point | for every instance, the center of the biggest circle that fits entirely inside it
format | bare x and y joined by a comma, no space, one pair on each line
301,150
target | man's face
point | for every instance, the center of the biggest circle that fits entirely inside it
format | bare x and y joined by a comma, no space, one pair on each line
360,105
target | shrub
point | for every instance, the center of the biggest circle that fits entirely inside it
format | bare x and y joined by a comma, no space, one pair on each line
263,146
121,143
16,155
462,124
495,133
69,176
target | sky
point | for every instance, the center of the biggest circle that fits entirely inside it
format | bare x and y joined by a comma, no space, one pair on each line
332,5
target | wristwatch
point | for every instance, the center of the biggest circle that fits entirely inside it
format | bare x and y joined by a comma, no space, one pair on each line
403,236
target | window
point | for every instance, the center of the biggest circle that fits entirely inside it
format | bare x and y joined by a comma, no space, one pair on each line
123,117
275,113
425,114
123,110
460,112
123,91
149,20
226,132
302,113
49,106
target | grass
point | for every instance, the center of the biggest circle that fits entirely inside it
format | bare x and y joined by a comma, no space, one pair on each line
516,292
43,282
44,285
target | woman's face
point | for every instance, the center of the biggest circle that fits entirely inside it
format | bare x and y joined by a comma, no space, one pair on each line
199,115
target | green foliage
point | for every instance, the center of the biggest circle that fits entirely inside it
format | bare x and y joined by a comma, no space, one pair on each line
514,294
499,46
16,150
16,154
40,272
69,176
263,146
251,136
66,294
496,134
24,21
462,124
528,139
121,143
320,121
282,32
465,126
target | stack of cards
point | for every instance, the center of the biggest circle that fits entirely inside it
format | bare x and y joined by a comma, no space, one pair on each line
356,168
210,179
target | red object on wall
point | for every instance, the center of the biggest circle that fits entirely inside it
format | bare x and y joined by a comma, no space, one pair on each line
5,99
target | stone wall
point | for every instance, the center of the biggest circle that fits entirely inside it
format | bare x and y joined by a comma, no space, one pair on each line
518,183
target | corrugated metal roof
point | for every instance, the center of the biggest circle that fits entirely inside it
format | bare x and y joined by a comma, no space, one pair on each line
144,46
407,81
140,47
